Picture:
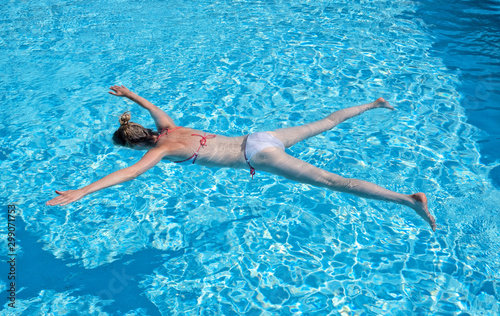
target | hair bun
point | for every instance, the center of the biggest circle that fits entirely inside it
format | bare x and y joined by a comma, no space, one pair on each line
125,118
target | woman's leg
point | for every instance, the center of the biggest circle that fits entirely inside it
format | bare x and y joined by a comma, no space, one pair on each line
275,160
292,135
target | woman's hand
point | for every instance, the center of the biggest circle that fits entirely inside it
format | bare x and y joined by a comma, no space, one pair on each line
161,118
66,197
120,91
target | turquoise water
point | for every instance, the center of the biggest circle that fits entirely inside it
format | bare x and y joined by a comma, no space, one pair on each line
198,241
466,37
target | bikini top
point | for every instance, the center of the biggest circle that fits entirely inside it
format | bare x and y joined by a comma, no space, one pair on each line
203,143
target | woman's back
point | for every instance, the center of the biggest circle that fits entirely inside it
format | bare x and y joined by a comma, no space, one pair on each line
204,148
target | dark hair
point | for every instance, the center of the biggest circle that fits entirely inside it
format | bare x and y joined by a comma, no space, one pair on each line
131,134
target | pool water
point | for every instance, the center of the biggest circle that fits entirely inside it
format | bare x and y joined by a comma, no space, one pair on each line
466,38
199,241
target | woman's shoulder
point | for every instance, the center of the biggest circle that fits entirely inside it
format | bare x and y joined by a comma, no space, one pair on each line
171,149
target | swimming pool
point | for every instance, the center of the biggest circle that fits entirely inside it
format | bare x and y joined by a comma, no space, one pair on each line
199,241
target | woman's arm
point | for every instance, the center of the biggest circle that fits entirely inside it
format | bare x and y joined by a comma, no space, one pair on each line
150,159
161,118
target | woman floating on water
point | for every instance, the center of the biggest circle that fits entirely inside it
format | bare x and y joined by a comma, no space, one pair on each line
264,151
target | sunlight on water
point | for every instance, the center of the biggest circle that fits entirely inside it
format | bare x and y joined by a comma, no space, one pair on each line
225,244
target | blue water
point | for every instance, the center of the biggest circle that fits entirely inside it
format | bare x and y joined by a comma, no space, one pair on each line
467,38
200,241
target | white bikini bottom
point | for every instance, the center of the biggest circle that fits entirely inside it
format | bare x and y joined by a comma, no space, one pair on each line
257,142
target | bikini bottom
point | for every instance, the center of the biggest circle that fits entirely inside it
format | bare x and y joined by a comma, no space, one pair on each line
257,142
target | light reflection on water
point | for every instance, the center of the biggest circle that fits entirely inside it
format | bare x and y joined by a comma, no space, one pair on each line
223,243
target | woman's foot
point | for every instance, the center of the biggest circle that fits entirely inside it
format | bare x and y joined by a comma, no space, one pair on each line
420,206
382,103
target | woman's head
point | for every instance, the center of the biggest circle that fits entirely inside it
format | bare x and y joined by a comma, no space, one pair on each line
131,134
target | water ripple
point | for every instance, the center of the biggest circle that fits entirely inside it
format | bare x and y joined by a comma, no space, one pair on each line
232,245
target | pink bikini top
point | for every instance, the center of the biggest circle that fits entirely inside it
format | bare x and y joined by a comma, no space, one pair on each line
203,142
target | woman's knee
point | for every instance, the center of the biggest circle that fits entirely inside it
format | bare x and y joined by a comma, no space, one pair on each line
337,182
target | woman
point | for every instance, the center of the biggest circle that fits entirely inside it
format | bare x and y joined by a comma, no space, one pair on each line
264,151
